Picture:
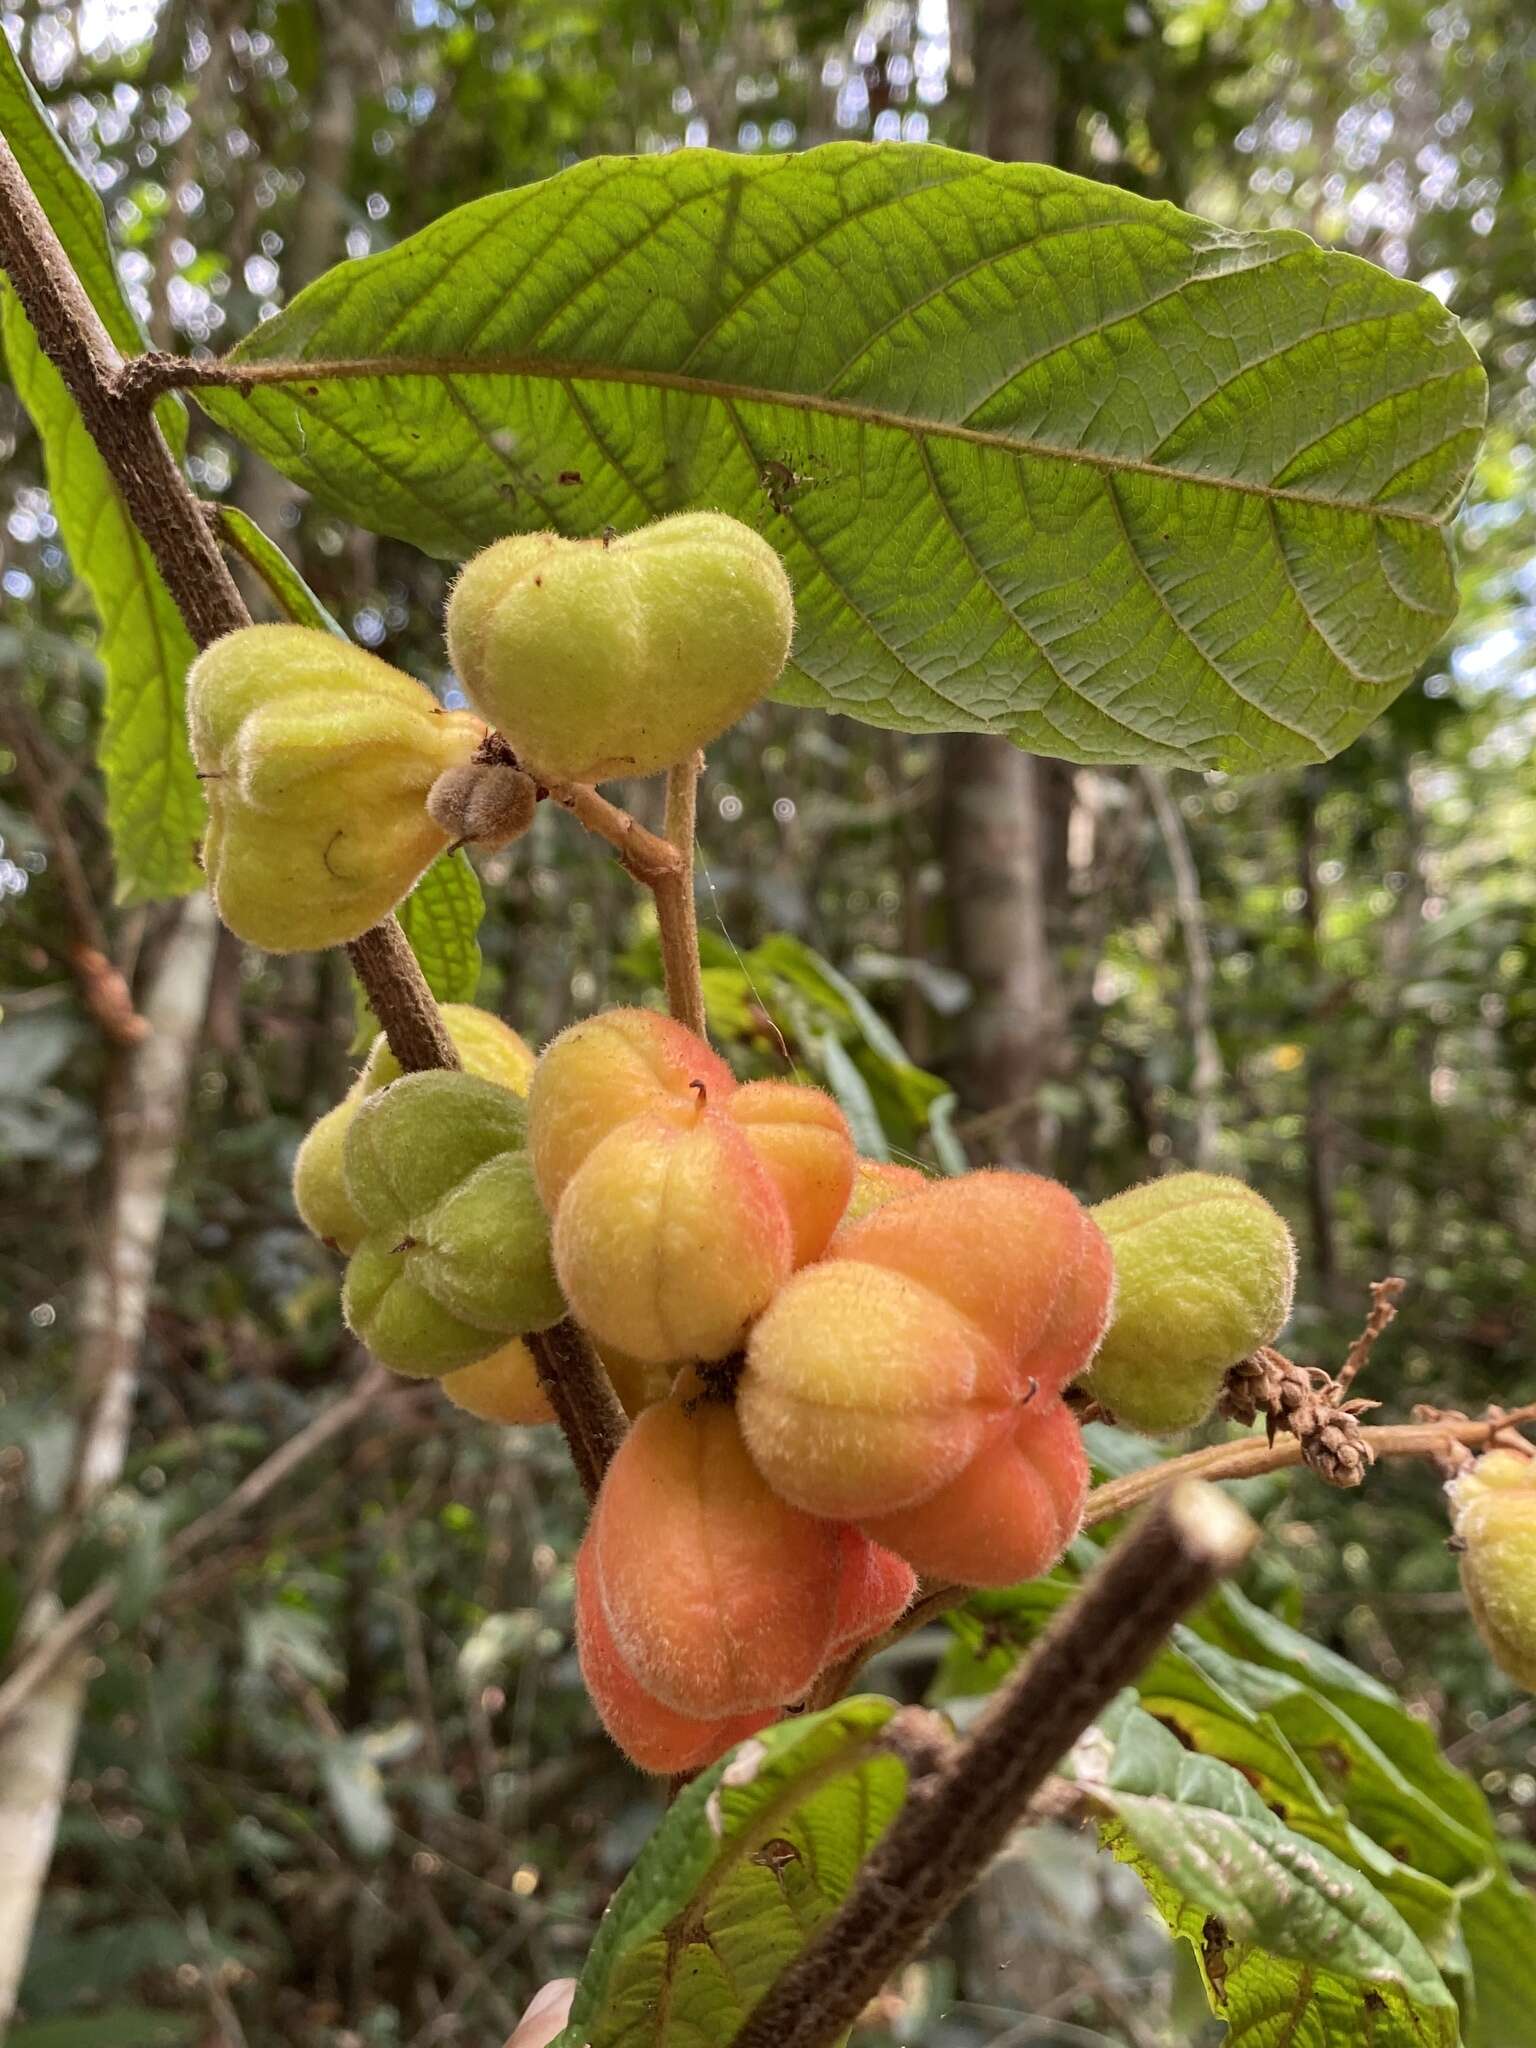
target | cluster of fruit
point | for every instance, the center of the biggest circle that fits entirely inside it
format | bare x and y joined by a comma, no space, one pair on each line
842,1375
334,780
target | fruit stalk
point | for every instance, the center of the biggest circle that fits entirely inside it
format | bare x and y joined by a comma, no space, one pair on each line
397,990
581,1394
955,1820
676,917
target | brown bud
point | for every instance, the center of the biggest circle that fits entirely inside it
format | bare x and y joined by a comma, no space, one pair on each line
483,803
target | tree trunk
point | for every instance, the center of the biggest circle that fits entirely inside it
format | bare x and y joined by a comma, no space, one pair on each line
996,803
144,1119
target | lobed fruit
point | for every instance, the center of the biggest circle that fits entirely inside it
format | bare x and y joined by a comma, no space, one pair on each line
1009,1515
681,1201
1493,1511
597,658
672,1239
503,1387
454,1257
655,1737
720,1597
317,759
877,1377
1205,1270
488,1048
601,1072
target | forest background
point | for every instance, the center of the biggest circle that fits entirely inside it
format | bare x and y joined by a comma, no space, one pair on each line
336,1780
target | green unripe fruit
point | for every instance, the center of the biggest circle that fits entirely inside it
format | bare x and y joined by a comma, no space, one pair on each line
1204,1274
317,760
488,1048
319,1187
597,658
1493,1510
454,1257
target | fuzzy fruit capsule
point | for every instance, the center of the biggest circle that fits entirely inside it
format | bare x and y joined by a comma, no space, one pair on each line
1493,1511
1204,1274
316,760
596,658
488,1048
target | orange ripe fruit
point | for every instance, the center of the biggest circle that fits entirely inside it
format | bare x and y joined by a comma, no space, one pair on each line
1010,1514
720,1597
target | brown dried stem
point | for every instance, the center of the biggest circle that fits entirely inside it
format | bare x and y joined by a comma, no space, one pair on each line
956,1819
1303,1400
1385,1296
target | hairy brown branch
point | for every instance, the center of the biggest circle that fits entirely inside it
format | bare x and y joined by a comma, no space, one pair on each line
581,1394
955,1820
397,990
645,855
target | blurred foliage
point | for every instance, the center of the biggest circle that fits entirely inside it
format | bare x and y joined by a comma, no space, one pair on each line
339,1783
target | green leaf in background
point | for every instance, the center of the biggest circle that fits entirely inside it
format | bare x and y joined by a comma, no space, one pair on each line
1043,458
750,1858
154,803
1295,1945
298,602
1338,1757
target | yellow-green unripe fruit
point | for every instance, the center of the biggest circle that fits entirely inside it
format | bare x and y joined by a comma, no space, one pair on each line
454,1258
1204,1274
488,1048
1493,1510
317,760
597,658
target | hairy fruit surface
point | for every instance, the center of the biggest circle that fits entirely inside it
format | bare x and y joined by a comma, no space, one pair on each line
1009,1515
488,1048
720,1597
316,760
503,1387
1205,1270
652,1736
597,658
601,1072
455,1254
1493,1511
876,1377
671,1237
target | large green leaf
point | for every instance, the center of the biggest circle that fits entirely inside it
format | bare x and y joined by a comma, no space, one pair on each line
1295,1944
750,1858
1043,458
154,804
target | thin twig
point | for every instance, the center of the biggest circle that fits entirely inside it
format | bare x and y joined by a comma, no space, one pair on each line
648,857
956,1819
1385,1296
103,988
1249,1458
87,1614
676,914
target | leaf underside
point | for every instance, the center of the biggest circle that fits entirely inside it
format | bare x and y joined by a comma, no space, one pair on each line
1043,458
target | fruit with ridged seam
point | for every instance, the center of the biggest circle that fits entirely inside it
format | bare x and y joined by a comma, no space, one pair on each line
721,1598
454,1258
316,759
596,658
1204,1274
876,1377
487,1047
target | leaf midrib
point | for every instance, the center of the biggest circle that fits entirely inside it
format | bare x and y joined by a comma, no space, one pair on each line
232,374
